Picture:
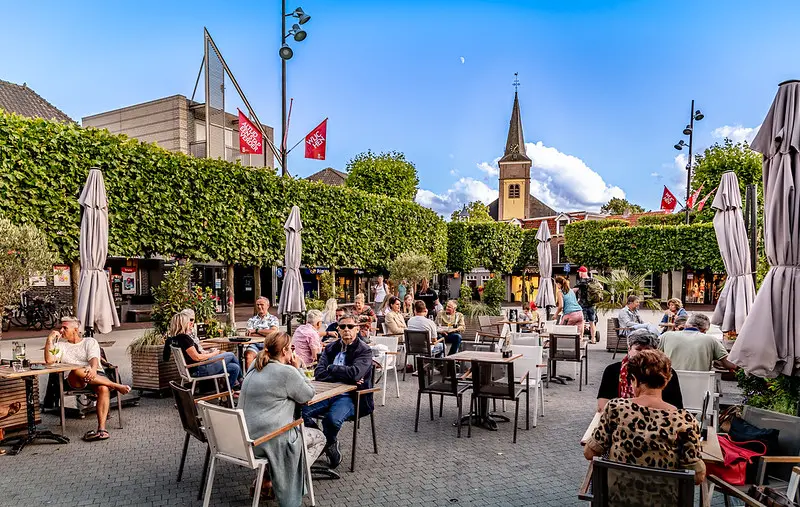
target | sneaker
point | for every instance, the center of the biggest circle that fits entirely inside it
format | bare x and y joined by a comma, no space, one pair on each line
333,454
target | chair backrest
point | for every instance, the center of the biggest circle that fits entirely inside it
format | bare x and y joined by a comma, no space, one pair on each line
620,484
479,346
548,326
565,347
694,386
391,343
180,363
484,321
227,434
383,328
530,360
417,342
566,330
188,411
526,339
485,379
788,436
446,380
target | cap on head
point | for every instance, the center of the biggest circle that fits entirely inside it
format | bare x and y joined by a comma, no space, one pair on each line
583,269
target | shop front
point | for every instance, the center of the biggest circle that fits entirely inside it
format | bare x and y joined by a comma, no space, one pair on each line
515,287
702,287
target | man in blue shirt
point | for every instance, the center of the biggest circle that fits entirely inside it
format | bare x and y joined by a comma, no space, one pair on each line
348,361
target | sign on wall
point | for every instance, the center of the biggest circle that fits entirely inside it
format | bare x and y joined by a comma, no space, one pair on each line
128,280
61,275
37,281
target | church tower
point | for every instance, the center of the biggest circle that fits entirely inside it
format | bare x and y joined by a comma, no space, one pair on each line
515,171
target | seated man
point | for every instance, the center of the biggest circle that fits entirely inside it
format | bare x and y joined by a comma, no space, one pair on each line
421,322
332,331
348,361
454,322
692,349
259,325
84,352
630,320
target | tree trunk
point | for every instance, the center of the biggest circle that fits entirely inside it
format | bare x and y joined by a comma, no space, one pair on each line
669,285
75,275
256,285
524,296
333,281
231,305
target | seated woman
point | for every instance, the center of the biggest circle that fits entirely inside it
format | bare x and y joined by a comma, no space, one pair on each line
674,310
408,306
617,383
395,322
329,313
180,336
645,430
271,392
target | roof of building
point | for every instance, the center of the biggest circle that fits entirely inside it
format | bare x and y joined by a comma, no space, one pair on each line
515,144
329,176
22,100
536,208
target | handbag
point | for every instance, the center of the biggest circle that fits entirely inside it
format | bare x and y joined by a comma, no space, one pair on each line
742,431
770,497
736,457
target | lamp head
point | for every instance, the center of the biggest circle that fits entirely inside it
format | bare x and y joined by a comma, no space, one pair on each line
680,145
687,131
698,115
301,16
299,33
286,52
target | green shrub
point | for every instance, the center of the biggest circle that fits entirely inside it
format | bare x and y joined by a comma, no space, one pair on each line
173,295
494,293
780,394
327,289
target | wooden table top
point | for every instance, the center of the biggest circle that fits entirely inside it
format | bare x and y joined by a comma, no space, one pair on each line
9,373
485,357
520,322
326,390
226,340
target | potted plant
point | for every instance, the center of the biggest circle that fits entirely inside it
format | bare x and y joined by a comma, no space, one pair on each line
150,372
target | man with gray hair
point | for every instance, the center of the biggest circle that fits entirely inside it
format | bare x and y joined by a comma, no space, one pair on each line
630,320
258,326
691,349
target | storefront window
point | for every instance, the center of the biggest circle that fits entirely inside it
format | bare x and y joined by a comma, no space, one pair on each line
531,285
703,287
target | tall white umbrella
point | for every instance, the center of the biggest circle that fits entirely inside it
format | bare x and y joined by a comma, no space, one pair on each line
292,300
738,294
545,296
769,342
95,301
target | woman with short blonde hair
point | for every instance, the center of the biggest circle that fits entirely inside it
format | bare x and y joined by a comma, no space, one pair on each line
673,311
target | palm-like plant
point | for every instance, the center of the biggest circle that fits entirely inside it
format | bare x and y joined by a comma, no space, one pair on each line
622,284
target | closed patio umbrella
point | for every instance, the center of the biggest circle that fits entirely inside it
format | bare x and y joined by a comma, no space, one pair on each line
769,342
545,296
292,300
96,309
737,296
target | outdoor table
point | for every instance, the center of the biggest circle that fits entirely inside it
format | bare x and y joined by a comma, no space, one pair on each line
518,323
484,418
20,441
327,390
240,345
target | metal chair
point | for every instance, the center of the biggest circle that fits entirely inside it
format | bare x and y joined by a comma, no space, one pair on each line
388,362
418,343
111,371
531,361
230,441
620,484
694,386
568,348
486,385
446,385
186,376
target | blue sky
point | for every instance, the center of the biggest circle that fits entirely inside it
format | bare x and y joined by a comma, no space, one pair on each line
605,93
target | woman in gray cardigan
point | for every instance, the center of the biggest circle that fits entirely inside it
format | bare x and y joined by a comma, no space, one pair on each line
271,391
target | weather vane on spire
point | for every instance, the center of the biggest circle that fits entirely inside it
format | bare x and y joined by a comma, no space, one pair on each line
516,82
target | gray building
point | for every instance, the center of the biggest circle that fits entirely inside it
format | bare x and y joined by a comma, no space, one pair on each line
177,124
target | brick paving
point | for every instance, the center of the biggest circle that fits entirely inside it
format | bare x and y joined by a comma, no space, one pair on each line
138,465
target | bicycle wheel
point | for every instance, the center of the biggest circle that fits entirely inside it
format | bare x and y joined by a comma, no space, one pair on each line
49,319
35,319
19,318
6,323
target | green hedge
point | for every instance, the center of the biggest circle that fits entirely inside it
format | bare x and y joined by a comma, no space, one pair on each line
658,248
492,245
528,255
166,203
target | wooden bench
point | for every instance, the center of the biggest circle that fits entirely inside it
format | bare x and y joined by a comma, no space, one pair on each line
139,315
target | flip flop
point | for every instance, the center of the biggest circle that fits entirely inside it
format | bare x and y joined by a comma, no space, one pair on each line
94,435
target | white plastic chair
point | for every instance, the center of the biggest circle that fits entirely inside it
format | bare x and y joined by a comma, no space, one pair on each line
694,386
531,361
186,376
388,361
230,441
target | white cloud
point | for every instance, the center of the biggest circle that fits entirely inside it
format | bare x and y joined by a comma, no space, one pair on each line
490,169
736,133
453,172
655,174
463,191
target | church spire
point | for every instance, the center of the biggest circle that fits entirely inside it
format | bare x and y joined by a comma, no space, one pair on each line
515,144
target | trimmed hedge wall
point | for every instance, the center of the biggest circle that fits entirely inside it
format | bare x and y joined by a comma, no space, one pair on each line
492,245
167,203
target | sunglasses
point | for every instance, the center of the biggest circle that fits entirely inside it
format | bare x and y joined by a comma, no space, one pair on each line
347,326
191,320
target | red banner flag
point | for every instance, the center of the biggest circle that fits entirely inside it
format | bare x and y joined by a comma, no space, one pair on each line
250,138
693,198
316,141
703,201
668,201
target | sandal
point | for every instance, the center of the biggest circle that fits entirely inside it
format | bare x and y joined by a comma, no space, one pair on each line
94,435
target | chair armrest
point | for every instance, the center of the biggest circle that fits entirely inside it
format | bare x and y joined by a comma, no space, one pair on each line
212,397
368,391
526,375
207,361
391,353
780,459
733,491
279,431
583,492
491,335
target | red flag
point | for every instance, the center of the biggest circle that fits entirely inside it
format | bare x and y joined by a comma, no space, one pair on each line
703,202
250,138
316,141
668,201
693,198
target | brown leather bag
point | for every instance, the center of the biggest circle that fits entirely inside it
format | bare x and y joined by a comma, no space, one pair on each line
770,497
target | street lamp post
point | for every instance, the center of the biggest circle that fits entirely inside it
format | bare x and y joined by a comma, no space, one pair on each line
689,131
286,53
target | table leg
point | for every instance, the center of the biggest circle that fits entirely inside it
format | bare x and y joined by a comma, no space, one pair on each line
61,403
484,418
20,441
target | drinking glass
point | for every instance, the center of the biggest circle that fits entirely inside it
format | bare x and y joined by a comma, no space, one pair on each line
17,366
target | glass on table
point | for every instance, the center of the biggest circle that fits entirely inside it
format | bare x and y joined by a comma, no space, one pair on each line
16,366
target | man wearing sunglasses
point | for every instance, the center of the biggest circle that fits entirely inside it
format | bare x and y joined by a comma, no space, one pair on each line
348,361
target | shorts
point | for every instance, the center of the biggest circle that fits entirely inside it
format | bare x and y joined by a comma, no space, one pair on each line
590,314
255,348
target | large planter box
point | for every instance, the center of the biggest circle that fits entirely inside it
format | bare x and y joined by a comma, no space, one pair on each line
150,373
12,390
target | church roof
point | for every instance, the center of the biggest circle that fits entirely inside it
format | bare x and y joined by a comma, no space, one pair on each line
515,144
536,208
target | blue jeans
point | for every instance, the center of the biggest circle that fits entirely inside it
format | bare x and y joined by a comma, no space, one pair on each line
334,412
454,339
231,365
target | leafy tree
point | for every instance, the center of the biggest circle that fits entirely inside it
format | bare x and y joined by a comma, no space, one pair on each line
388,174
24,252
476,211
727,156
412,267
173,295
618,206
493,294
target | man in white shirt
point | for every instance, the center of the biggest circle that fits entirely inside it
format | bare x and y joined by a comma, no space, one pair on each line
380,291
259,325
421,322
84,352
